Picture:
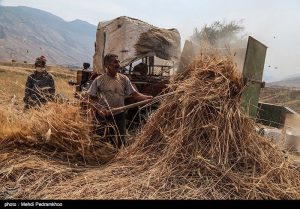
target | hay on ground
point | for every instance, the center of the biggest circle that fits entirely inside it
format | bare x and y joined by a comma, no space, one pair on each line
197,145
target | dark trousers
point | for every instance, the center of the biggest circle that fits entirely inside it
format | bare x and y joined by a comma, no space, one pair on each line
113,128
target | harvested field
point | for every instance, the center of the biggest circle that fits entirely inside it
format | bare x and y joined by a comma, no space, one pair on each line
197,145
13,79
281,96
40,148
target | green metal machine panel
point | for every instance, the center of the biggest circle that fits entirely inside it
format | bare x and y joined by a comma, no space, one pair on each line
273,115
252,74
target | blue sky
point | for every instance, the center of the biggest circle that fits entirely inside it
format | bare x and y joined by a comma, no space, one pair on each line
263,19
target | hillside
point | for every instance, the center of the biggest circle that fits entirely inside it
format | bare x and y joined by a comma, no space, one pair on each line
289,82
26,33
281,96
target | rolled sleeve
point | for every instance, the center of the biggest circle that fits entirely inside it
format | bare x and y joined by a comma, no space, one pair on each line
28,89
52,85
129,89
93,89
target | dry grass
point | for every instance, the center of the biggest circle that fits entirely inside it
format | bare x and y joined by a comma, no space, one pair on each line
13,81
56,130
41,148
197,145
281,96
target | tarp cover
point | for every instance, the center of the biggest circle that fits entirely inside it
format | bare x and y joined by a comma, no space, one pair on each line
132,39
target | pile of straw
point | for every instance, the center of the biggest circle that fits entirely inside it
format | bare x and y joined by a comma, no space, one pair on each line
23,173
57,130
41,148
197,145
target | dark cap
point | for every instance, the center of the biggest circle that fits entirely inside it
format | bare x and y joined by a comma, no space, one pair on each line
86,65
40,61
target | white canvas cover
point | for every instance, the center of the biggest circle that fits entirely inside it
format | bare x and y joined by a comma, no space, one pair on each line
132,39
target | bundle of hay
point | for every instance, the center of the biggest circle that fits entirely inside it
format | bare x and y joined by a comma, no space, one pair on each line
163,43
40,148
198,145
57,130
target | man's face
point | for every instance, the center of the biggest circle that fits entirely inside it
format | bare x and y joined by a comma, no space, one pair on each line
40,69
114,64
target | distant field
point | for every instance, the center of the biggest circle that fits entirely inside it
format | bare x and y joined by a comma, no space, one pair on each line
282,96
13,79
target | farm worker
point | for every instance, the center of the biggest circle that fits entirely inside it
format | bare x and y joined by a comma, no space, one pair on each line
40,86
85,75
109,91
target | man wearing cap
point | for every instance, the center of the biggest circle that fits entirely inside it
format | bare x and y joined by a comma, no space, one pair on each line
40,86
108,91
86,73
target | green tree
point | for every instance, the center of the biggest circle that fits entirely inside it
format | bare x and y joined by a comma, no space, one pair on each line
219,32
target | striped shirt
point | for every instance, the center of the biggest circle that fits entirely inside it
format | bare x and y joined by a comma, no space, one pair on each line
111,91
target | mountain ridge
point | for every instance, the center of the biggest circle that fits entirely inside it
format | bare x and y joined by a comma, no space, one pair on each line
26,33
288,82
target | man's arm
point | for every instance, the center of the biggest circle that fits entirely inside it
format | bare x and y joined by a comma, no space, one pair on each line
140,97
52,86
92,100
130,90
94,105
28,89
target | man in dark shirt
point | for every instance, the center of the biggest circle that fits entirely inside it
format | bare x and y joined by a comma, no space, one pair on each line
86,73
40,86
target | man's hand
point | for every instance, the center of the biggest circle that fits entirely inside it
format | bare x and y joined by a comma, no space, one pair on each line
96,107
148,97
141,97
104,112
